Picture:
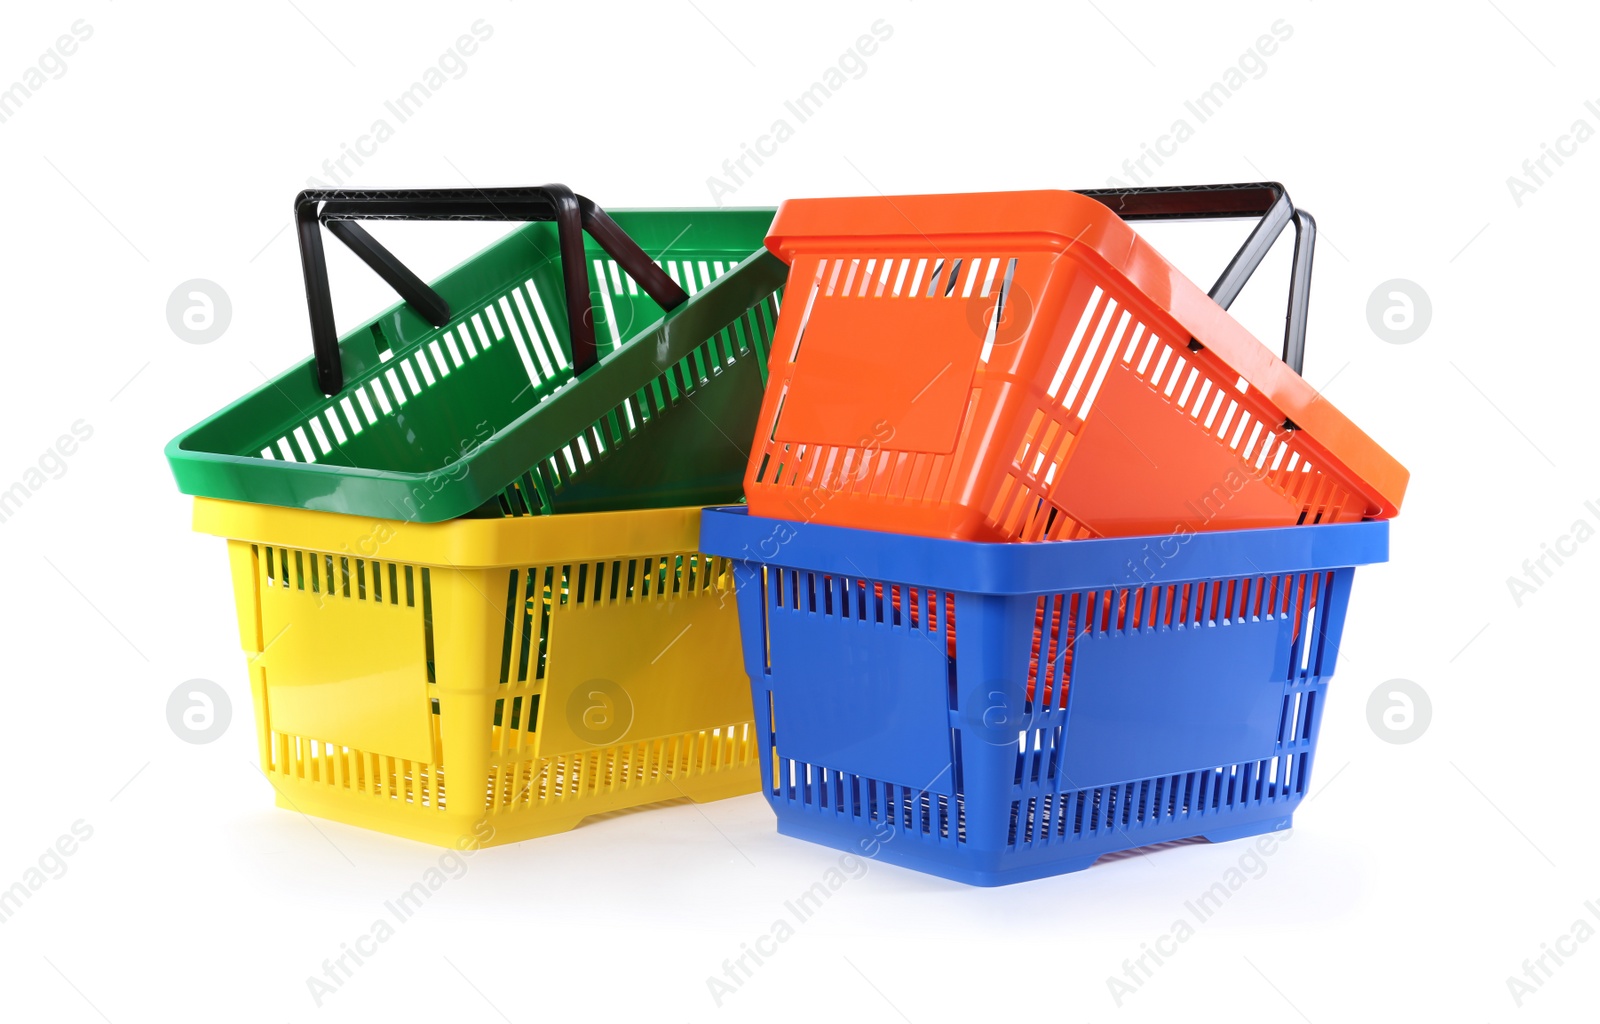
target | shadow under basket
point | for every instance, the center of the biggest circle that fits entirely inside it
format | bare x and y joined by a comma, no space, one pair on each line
993,713
486,681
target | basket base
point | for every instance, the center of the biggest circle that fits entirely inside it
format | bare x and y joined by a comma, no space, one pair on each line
1276,823
457,830
995,868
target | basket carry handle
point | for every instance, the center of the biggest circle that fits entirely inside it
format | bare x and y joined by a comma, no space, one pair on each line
1265,199
573,214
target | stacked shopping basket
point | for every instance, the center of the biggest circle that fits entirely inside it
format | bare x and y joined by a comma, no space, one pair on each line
1044,556
464,536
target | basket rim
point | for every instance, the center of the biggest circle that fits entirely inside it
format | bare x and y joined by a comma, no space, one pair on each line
1039,567
497,543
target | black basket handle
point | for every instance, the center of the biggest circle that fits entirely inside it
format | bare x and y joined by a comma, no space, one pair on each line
573,215
1265,199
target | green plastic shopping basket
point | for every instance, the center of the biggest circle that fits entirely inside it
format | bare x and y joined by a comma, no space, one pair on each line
486,394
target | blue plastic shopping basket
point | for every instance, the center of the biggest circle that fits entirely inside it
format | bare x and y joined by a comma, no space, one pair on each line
993,713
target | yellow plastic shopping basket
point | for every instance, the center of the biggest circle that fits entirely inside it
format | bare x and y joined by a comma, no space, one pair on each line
483,681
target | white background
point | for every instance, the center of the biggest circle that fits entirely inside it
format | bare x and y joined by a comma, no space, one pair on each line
1419,876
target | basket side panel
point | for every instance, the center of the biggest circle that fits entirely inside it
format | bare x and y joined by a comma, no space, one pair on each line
835,446
620,684
1078,793
680,440
856,683
641,649
1166,699
345,653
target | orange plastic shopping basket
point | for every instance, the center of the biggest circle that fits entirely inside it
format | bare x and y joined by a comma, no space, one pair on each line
1023,366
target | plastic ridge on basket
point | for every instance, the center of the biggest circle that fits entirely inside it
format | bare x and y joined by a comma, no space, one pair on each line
487,680
483,415
1023,366
993,713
